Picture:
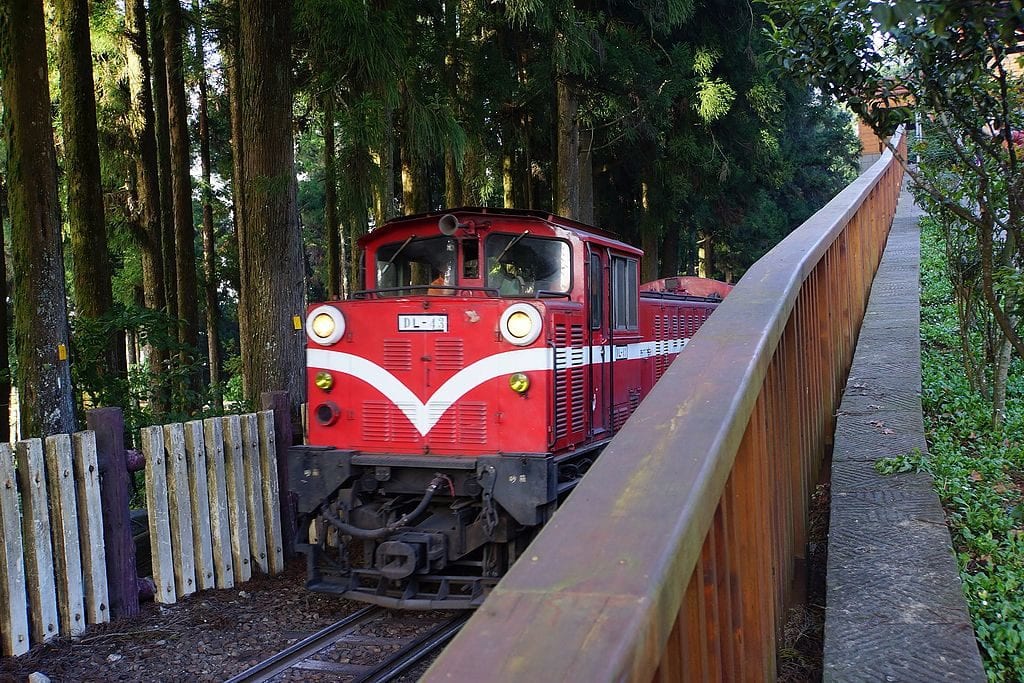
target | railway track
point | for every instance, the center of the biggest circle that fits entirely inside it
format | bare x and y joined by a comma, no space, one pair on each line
316,655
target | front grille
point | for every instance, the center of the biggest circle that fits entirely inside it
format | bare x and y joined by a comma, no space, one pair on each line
397,354
385,421
465,423
448,354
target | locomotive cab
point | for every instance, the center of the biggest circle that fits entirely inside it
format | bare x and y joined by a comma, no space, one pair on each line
463,392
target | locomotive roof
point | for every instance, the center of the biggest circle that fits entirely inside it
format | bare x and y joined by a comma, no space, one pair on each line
581,229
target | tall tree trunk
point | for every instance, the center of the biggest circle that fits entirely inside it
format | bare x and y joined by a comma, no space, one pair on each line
230,54
181,191
567,175
331,201
705,262
147,183
670,251
5,359
40,312
269,239
648,237
508,161
1000,375
586,163
163,146
384,194
209,238
452,181
93,295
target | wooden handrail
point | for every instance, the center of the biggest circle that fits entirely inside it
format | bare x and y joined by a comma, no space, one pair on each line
676,556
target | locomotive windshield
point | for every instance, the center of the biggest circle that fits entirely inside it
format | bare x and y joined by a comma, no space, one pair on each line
522,264
416,262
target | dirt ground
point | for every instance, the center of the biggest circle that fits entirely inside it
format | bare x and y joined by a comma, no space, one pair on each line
208,636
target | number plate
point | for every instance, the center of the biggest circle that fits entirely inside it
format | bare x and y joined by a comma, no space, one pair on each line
422,323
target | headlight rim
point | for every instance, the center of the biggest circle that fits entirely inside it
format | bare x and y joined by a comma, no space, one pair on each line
339,325
535,318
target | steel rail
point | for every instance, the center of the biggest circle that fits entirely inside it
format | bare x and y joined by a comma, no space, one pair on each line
305,648
414,652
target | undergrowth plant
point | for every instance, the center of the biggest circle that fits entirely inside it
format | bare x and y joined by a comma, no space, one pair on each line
978,471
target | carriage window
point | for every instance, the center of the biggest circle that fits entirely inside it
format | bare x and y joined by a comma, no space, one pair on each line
519,265
596,287
625,293
417,263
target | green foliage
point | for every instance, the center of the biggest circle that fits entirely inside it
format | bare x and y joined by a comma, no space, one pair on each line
952,61
978,473
95,387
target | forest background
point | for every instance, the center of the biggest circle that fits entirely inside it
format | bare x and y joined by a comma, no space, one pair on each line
180,180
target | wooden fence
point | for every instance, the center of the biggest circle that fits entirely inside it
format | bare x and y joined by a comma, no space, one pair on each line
212,494
676,557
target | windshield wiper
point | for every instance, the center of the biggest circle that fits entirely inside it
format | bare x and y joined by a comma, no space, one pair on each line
511,244
395,255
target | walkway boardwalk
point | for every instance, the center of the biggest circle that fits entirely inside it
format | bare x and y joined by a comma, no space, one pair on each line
894,610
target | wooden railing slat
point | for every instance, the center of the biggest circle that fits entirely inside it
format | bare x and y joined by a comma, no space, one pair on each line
67,550
234,470
35,526
159,515
199,497
271,494
179,502
90,525
254,508
14,629
220,525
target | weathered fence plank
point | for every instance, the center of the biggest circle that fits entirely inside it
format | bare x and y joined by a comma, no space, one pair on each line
271,493
119,546
254,492
180,507
159,515
90,525
199,495
220,527
35,526
234,470
66,548
279,403
14,632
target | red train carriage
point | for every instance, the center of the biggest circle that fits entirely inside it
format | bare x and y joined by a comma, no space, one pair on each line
465,390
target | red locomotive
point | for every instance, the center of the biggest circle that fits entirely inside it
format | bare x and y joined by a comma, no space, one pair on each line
457,398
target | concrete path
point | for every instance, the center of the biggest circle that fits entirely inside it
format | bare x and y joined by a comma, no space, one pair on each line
894,608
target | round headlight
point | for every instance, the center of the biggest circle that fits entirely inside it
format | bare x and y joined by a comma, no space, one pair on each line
519,382
520,324
325,325
323,380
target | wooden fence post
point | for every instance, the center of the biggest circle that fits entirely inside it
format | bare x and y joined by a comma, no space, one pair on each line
14,636
122,578
280,403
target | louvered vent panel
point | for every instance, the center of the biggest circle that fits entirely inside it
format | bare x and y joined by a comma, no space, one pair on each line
561,358
384,421
465,423
577,377
473,422
619,416
398,354
444,431
448,354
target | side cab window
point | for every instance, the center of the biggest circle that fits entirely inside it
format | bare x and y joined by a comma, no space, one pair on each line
625,293
595,281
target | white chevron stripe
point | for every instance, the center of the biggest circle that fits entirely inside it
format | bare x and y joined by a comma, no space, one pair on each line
424,416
